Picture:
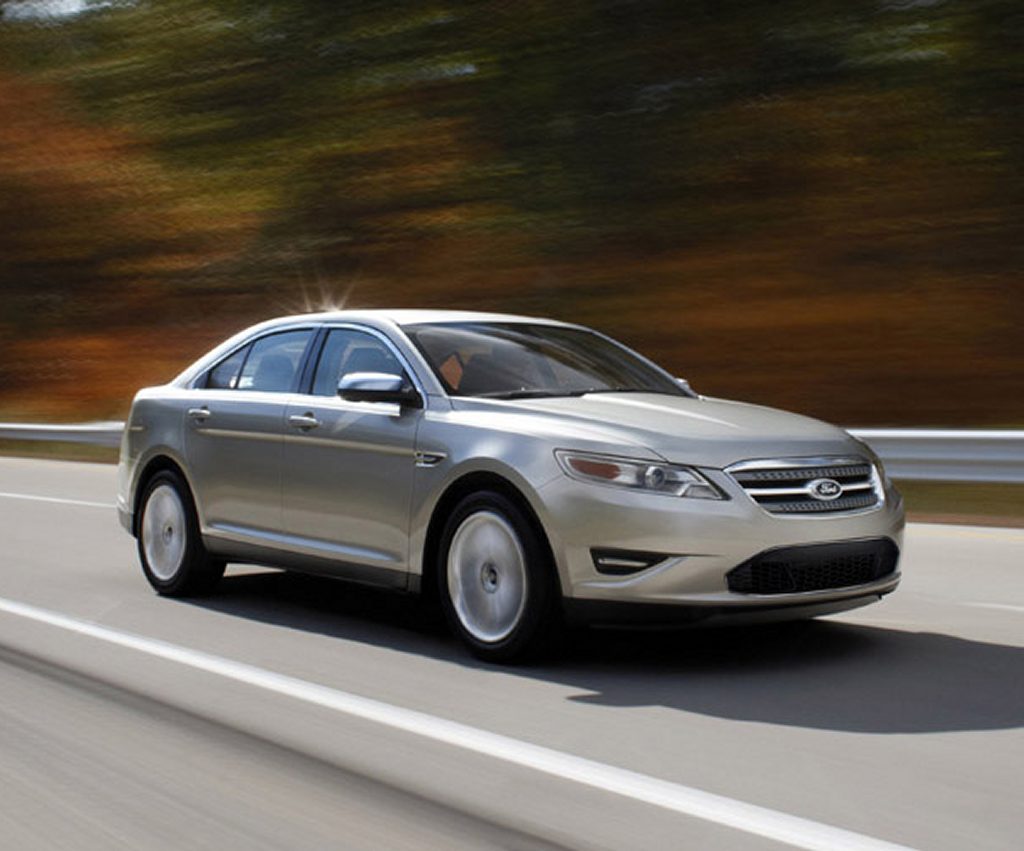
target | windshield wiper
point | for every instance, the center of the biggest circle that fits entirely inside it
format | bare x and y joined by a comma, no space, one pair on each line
523,394
550,394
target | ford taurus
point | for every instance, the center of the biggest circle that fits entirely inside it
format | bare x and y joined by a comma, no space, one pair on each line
523,471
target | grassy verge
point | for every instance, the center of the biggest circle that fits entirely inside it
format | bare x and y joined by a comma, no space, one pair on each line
58,451
957,502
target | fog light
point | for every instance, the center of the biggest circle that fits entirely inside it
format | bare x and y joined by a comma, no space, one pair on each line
624,562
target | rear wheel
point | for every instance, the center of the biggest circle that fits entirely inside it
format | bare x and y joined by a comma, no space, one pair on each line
170,548
497,585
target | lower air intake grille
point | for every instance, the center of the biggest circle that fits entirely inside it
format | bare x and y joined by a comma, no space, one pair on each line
815,567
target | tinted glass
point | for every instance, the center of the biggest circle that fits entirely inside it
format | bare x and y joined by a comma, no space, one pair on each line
274,362
520,360
224,376
348,351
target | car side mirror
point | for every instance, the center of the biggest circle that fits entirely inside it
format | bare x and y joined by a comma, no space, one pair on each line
378,387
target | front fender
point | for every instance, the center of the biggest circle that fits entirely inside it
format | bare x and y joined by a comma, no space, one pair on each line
524,474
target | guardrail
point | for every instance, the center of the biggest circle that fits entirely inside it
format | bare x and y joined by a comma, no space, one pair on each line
96,434
946,455
941,455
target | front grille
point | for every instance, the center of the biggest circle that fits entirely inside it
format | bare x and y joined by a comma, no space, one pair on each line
814,567
789,486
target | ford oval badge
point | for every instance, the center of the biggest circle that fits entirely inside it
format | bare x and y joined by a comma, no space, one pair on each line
825,489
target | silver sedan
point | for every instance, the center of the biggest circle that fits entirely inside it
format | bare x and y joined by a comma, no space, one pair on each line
524,472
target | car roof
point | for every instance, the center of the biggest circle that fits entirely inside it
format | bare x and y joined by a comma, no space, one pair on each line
406,316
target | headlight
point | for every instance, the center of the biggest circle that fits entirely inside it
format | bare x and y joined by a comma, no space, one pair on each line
636,474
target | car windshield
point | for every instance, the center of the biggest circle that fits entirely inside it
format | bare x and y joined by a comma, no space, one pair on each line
519,360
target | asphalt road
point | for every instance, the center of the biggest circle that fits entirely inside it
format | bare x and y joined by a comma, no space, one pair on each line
294,712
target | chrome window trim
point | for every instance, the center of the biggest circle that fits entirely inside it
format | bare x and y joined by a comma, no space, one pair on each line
380,335
205,370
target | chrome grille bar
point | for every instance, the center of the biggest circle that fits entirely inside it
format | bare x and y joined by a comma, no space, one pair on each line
810,485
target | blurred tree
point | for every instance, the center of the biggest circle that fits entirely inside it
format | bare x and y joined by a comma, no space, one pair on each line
725,184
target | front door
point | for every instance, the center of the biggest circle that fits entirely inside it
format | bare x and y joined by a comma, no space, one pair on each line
348,466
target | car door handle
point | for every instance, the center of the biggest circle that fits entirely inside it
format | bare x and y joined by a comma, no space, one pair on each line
199,414
303,421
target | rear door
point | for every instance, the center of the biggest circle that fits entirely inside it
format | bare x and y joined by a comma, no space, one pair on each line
234,435
349,466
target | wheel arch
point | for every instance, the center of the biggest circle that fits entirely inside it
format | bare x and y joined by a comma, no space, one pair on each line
466,484
157,463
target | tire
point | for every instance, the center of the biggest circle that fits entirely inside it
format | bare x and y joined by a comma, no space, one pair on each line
496,581
170,547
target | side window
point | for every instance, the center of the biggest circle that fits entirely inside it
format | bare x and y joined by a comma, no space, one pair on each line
273,362
224,376
348,351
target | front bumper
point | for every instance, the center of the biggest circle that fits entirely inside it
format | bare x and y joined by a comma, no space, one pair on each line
125,517
613,613
704,540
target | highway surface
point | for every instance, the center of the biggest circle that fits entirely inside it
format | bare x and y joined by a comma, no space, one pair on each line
294,712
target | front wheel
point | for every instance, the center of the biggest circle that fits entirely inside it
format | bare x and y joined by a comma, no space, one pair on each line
497,585
170,548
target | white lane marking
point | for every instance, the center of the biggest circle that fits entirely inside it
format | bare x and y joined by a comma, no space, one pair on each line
61,500
1007,607
750,818
998,533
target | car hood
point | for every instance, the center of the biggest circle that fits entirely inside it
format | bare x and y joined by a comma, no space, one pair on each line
698,431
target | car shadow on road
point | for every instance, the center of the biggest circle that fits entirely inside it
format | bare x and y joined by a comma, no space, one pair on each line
827,675
821,674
